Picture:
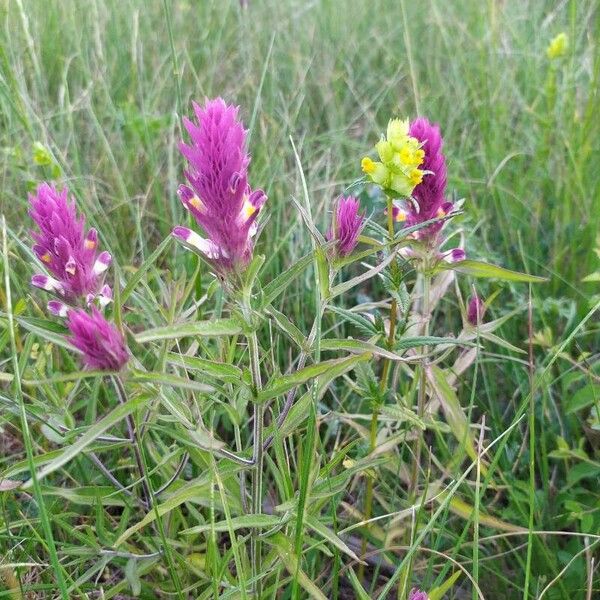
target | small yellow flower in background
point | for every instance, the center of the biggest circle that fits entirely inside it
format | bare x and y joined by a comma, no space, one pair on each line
399,158
558,46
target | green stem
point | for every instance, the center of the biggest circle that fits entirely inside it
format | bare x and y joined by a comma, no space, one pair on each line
257,457
308,449
135,442
422,399
146,486
422,387
382,389
530,540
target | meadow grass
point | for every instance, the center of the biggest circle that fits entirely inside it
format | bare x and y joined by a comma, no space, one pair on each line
92,93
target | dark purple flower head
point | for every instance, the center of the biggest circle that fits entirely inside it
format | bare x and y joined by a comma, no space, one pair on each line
429,195
347,225
218,195
70,254
100,342
475,310
416,594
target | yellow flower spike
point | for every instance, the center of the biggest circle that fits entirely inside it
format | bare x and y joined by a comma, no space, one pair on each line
46,258
400,155
368,166
558,46
440,212
89,244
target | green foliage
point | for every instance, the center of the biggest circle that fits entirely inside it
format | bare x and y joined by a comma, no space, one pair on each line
92,93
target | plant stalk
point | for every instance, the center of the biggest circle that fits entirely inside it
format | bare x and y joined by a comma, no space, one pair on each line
382,389
135,443
422,386
257,458
149,498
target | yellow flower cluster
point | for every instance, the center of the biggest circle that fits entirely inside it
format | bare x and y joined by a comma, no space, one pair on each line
400,156
558,46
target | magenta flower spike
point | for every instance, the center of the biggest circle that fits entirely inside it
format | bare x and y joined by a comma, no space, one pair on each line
475,310
429,195
347,225
70,254
218,195
101,344
416,594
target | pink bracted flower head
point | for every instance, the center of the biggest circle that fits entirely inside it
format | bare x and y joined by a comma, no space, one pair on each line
70,254
218,195
416,594
347,225
429,195
101,344
475,310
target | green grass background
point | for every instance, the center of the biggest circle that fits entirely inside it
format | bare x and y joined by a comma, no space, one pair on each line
101,85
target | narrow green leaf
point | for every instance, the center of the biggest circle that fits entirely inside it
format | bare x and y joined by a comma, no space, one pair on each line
87,495
454,414
586,396
346,286
439,592
355,346
171,401
93,432
218,370
360,591
592,278
428,340
278,285
402,414
243,522
197,490
47,330
189,493
464,510
287,327
143,268
360,321
327,534
300,410
477,268
290,560
217,327
170,380
352,345
280,385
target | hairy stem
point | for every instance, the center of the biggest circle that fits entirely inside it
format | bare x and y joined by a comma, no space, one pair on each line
289,401
147,489
383,382
257,458
135,442
422,386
